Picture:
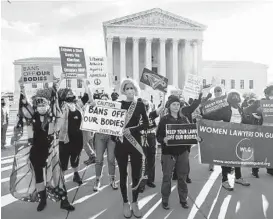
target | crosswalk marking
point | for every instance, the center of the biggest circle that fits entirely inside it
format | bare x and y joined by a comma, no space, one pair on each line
168,214
214,202
224,207
238,206
10,160
142,202
204,192
98,214
265,205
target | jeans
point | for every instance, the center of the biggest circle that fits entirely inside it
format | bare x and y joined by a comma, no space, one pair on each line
181,163
103,142
88,143
3,134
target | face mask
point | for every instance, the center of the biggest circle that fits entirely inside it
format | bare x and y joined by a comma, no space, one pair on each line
42,110
70,99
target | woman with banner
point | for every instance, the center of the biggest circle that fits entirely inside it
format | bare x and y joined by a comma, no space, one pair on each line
71,137
129,144
103,142
28,181
173,156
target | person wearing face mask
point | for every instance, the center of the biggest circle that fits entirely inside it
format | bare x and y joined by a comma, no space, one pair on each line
130,145
4,122
173,156
28,180
103,142
71,137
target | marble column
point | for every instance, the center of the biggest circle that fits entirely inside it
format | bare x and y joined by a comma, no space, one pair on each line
186,59
163,57
136,59
199,57
194,57
175,62
122,58
148,63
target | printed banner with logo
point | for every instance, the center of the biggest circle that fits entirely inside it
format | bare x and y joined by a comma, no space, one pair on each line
106,118
231,144
214,105
37,73
181,134
154,80
97,73
267,110
73,62
193,86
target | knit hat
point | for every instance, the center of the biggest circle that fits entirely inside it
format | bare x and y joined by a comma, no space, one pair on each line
171,100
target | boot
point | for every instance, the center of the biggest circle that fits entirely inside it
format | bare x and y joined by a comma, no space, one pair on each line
136,211
113,183
77,178
66,205
42,202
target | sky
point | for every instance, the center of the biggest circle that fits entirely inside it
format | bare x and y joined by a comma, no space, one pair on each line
237,30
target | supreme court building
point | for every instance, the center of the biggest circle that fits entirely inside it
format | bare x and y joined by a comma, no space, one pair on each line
156,39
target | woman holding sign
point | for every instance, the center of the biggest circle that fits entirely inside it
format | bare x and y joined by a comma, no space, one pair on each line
173,156
129,145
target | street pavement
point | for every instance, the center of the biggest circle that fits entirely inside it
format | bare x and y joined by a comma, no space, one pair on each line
207,199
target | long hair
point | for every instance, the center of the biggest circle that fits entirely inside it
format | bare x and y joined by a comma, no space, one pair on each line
126,81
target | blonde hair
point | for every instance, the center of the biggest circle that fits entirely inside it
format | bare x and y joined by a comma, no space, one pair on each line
132,82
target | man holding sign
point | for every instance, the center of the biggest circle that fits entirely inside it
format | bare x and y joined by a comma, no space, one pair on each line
177,156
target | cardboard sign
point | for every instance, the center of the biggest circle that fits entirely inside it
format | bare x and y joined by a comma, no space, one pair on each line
106,118
214,105
73,62
232,144
97,73
181,134
193,86
267,111
154,80
37,73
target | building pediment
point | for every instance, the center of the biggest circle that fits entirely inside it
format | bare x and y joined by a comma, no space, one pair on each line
155,18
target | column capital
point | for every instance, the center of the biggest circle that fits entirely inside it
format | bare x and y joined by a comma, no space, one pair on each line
162,40
135,39
110,38
175,40
188,41
148,40
122,39
200,41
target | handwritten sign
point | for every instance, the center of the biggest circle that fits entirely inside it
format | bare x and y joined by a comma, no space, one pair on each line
154,80
73,62
106,118
37,73
181,134
193,86
214,105
97,73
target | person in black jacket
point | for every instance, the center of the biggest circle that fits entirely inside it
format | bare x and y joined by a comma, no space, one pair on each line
177,156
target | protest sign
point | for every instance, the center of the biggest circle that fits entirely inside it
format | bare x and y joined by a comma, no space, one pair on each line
177,92
267,111
73,62
97,73
154,80
193,86
37,73
106,118
214,105
181,134
232,144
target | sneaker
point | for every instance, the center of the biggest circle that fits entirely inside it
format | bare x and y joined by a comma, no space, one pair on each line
227,186
96,185
184,205
127,211
255,174
77,178
113,184
136,211
90,161
242,182
188,180
165,205
151,184
66,205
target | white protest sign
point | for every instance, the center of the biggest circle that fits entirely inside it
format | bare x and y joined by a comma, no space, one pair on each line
97,73
193,86
37,73
106,118
176,92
